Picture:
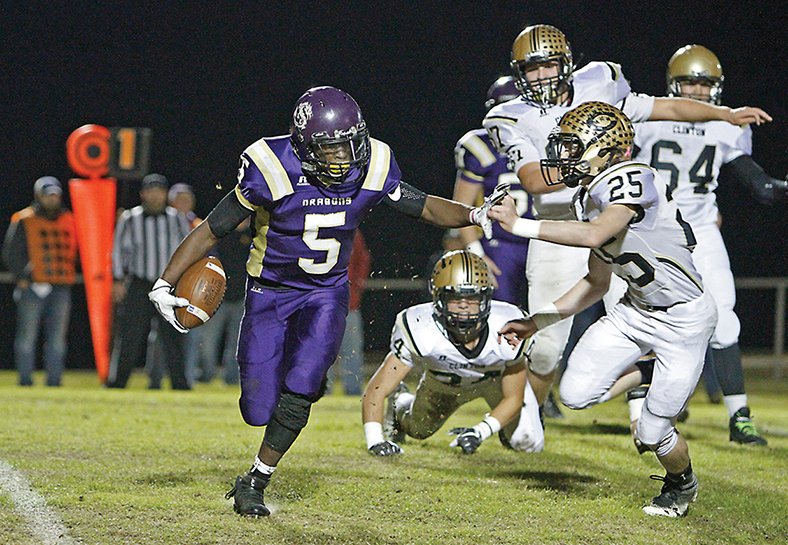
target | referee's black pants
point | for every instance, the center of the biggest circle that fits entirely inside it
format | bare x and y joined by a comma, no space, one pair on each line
131,328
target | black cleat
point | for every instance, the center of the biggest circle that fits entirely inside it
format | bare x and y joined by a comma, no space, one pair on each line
674,498
743,430
551,408
683,415
248,493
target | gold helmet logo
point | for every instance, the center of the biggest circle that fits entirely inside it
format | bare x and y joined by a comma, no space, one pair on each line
460,274
542,44
694,64
587,140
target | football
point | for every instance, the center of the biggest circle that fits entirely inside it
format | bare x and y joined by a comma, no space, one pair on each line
203,284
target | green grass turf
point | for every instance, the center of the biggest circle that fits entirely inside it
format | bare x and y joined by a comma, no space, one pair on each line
151,467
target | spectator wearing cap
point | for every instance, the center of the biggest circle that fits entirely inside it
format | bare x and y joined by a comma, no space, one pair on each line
40,250
145,238
181,197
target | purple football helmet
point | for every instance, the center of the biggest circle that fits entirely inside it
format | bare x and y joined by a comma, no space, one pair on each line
502,90
329,136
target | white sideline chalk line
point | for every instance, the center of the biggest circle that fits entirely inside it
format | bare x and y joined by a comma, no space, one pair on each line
41,519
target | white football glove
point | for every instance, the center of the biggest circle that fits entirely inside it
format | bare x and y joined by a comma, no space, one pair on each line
162,297
478,215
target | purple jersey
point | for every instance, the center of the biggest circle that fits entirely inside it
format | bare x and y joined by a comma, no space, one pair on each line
304,230
478,162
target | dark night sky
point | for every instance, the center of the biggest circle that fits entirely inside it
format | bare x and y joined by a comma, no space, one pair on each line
210,78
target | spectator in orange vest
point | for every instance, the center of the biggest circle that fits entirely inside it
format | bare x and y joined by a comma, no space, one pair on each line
40,249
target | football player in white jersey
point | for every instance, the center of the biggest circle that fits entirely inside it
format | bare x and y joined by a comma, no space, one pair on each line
688,157
453,338
543,66
635,230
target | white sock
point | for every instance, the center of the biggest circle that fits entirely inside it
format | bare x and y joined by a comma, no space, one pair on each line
635,408
403,402
261,467
734,403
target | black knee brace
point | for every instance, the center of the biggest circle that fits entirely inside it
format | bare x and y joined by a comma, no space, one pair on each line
289,418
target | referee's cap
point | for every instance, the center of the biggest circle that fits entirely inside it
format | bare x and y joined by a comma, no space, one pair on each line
155,180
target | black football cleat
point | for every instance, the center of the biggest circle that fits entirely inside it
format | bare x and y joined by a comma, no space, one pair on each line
551,408
674,498
248,496
743,430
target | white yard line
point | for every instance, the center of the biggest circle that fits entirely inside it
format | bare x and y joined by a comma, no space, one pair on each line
42,520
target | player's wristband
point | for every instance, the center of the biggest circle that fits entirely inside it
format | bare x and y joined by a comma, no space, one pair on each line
487,427
373,431
476,247
523,227
546,316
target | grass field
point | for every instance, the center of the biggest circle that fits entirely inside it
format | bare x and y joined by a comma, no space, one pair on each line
151,467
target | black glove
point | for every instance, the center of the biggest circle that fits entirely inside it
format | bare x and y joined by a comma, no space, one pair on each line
385,448
468,439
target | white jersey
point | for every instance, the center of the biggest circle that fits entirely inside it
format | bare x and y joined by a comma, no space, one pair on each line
653,254
417,337
688,157
520,129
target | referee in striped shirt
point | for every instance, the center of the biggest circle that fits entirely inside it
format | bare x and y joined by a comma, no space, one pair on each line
145,238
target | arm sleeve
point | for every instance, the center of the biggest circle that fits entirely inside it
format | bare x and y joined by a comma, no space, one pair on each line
15,250
764,189
407,199
637,107
227,215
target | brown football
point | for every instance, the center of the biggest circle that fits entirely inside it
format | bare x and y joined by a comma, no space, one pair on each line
203,284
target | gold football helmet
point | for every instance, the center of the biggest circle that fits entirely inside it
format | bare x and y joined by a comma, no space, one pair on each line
587,140
695,64
538,44
461,275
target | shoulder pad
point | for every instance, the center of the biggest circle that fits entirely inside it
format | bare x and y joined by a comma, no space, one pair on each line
266,161
477,143
379,166
405,324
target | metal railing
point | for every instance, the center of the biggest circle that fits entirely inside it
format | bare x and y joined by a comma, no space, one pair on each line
778,284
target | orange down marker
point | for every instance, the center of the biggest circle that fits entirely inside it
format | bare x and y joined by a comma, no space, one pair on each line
94,201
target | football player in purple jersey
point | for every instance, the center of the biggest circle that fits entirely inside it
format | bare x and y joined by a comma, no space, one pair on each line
480,167
307,192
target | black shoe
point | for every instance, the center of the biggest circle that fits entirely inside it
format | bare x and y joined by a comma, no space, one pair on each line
674,498
551,408
248,492
392,430
743,430
683,416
